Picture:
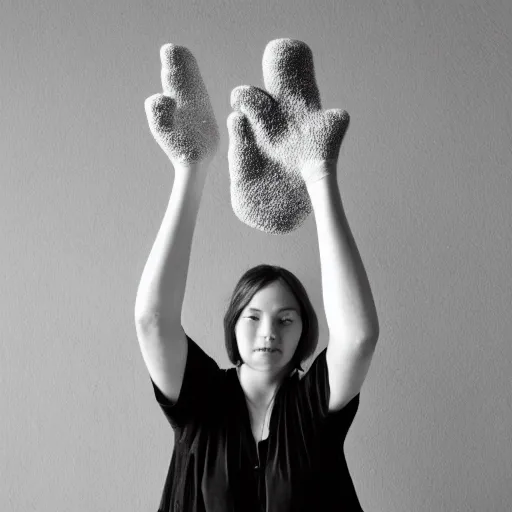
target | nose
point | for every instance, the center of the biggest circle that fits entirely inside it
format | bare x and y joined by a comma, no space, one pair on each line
268,330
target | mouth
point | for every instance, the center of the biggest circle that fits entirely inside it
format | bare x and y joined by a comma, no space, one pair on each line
270,350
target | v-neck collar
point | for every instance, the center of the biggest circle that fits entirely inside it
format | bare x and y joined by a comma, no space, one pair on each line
244,406
283,384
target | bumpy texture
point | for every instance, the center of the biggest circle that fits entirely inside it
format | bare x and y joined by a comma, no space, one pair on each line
182,119
277,136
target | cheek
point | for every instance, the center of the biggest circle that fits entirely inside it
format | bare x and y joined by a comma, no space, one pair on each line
292,336
242,328
244,333
298,329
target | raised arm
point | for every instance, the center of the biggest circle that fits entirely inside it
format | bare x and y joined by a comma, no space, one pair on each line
161,291
282,131
162,286
183,124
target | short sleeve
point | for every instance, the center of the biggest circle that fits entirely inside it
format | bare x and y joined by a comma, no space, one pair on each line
198,391
314,386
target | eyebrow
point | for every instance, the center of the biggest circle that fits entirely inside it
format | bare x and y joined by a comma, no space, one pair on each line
282,309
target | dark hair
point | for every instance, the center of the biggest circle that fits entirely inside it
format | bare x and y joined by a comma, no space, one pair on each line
249,284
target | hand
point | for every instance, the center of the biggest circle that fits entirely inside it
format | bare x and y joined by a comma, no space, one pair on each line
182,119
284,131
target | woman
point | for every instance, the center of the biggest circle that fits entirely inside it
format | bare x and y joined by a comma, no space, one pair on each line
258,436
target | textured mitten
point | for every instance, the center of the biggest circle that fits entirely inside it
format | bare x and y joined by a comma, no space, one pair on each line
182,119
276,139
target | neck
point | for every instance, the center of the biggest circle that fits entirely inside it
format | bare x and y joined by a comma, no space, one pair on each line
260,387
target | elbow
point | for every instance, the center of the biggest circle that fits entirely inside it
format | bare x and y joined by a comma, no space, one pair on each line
146,316
371,333
374,332
374,328
371,338
368,343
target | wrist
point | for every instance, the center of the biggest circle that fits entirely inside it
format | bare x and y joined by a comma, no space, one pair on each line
190,174
193,168
319,172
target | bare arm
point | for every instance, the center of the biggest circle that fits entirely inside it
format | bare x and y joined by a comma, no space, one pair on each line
162,286
182,122
309,141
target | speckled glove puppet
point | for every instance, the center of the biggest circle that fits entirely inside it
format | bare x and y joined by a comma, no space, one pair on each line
279,139
182,119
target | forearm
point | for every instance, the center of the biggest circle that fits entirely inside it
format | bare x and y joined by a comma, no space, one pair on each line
162,286
348,300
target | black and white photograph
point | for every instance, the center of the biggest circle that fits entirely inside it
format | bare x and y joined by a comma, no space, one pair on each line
256,256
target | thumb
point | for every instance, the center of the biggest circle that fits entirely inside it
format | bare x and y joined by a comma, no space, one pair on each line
337,121
160,113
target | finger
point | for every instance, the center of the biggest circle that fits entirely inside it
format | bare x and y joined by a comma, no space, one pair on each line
289,74
258,106
243,152
181,79
160,112
337,121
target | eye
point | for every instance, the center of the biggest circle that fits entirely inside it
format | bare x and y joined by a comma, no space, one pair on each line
284,320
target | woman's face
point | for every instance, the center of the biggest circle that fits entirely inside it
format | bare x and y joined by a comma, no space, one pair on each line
269,328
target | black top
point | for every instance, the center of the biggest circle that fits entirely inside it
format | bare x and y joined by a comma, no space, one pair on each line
214,465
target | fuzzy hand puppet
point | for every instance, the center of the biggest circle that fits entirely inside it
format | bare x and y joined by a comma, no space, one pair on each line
278,140
182,119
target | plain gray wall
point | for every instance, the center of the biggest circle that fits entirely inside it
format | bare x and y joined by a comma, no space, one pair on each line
425,178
